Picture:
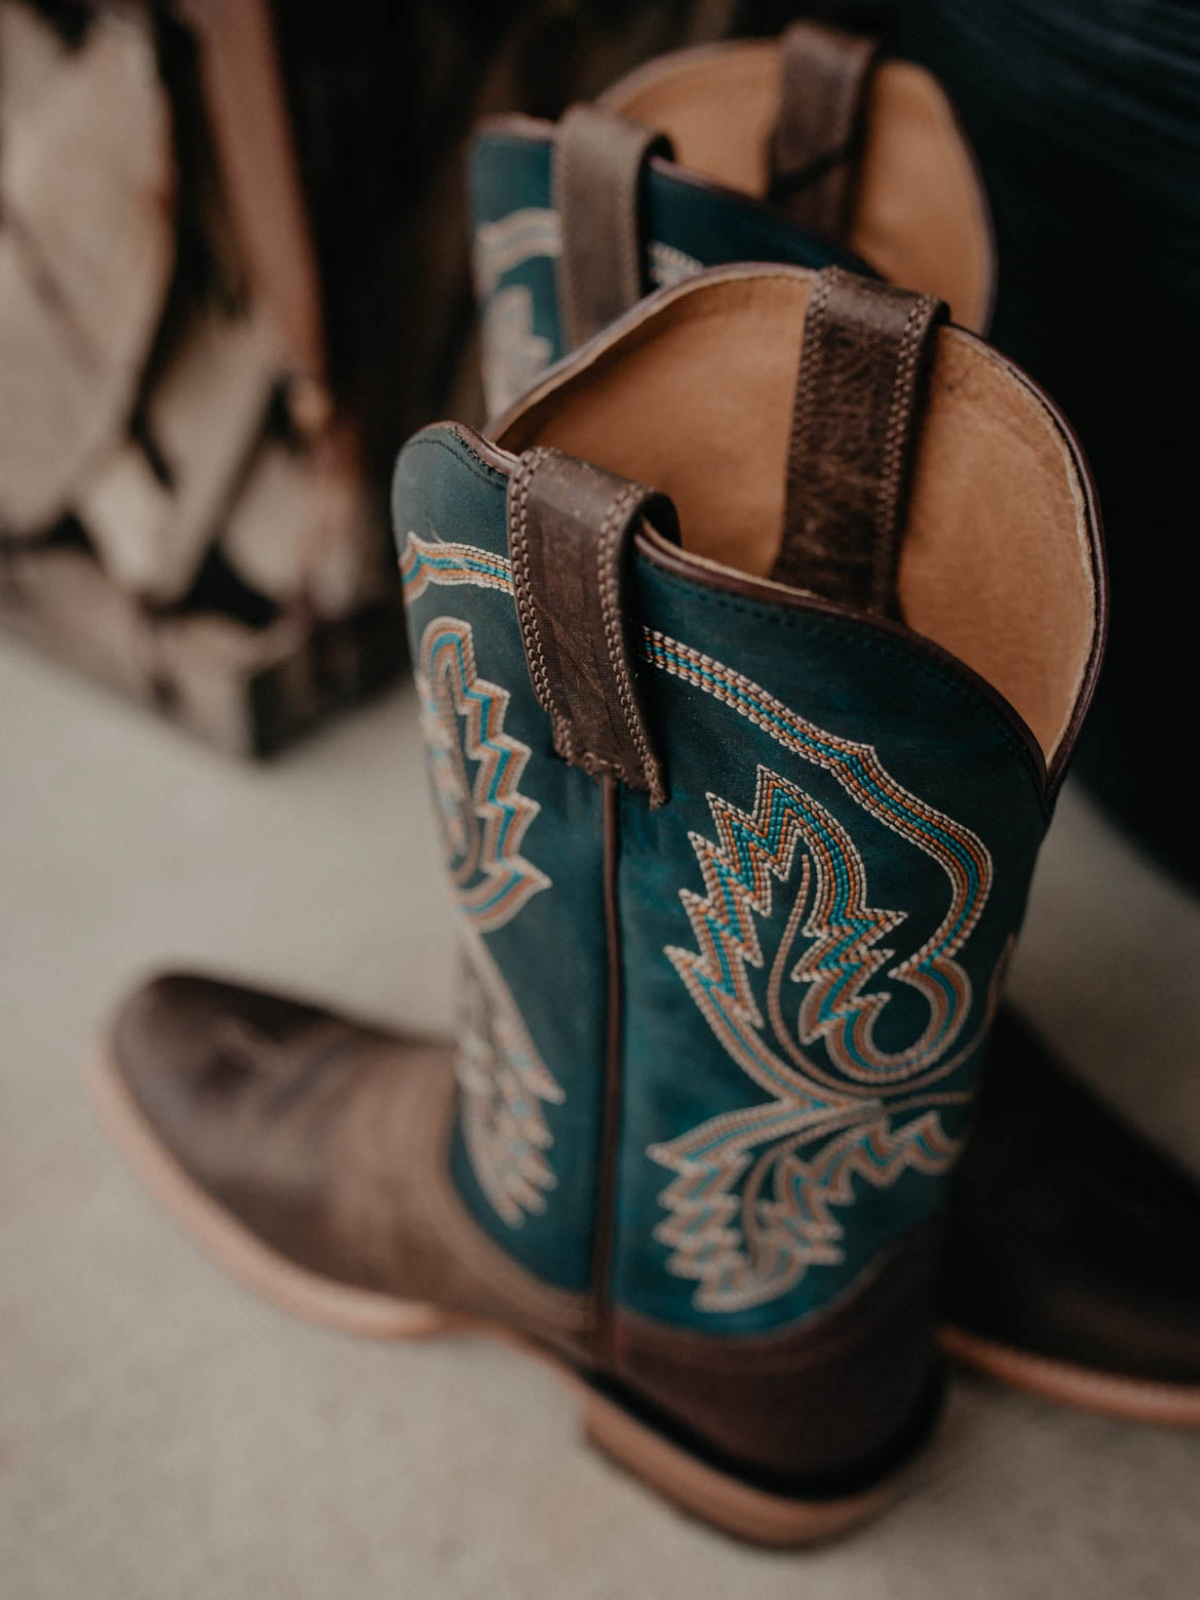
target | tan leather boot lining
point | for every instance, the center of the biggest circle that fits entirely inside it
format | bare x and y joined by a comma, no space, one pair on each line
695,398
921,217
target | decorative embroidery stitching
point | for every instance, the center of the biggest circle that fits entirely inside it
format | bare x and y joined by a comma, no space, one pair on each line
511,241
483,822
531,232
513,354
794,1156
430,561
755,1193
504,1083
475,770
669,265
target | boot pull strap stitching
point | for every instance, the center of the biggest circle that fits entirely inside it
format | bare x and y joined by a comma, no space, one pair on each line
527,613
897,447
570,526
609,553
596,184
825,80
859,399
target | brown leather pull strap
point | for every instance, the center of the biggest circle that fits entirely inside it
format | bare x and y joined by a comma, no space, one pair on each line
569,529
597,174
824,82
859,396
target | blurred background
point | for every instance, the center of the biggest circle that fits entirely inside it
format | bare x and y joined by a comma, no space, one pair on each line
234,276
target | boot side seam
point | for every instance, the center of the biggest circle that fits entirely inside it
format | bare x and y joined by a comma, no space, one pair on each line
604,1237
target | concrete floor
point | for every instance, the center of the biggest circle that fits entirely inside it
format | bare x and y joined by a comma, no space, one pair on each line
164,1436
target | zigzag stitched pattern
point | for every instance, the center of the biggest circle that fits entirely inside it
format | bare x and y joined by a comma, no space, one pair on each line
475,771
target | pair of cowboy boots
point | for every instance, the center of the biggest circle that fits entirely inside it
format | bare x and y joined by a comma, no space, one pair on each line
751,643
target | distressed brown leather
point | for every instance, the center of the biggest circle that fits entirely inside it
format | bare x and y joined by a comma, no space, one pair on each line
1070,1236
329,1141
824,92
569,529
859,398
596,184
824,1398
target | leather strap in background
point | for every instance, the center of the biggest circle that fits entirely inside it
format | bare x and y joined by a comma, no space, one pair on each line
569,529
859,399
596,186
825,81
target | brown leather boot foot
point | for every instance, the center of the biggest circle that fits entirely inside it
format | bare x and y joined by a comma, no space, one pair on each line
1073,1266
309,1156
226,1102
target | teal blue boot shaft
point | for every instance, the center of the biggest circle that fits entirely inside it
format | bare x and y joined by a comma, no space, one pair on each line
808,149
746,699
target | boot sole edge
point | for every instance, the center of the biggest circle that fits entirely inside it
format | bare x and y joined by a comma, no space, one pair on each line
1107,1394
719,1498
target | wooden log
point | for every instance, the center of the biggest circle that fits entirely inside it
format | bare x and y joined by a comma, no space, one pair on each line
61,601
209,664
125,506
251,692
204,417
247,691
87,225
252,136
301,530
30,53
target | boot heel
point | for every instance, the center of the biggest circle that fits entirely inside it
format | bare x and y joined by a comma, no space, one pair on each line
719,1498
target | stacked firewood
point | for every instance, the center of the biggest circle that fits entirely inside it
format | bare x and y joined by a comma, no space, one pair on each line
180,511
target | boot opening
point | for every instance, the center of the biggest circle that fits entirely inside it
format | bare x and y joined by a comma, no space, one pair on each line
920,217
695,398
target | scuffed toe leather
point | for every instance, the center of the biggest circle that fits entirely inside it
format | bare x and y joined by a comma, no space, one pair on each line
252,1094
325,1141
181,1041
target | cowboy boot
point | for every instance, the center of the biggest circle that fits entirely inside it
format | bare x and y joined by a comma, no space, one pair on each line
808,149
740,782
811,148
